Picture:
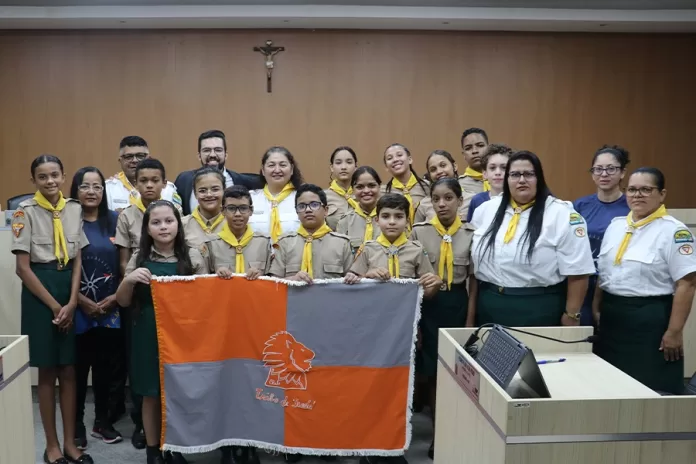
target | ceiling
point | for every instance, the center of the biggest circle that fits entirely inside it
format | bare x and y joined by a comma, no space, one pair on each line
556,4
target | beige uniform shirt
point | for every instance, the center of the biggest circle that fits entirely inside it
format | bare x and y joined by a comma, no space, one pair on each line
195,235
256,254
200,267
32,228
471,185
413,259
426,212
338,207
129,226
353,225
426,234
417,193
331,256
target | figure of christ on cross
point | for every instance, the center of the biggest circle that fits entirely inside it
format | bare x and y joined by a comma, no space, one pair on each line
269,51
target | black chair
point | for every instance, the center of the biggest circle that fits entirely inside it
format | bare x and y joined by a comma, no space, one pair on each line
13,203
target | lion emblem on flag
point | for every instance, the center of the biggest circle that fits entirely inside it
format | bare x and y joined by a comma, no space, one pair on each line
288,360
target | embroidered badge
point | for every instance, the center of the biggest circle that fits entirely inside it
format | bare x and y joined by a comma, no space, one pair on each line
18,214
203,249
576,219
686,250
17,229
580,232
683,236
176,199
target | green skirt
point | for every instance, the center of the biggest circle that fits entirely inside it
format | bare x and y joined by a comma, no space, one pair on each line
520,307
445,309
145,370
48,346
630,333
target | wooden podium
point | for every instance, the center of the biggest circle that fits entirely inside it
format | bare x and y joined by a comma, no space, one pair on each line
16,411
596,413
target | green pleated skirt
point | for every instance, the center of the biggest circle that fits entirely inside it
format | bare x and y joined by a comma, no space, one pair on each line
520,307
630,333
48,346
445,309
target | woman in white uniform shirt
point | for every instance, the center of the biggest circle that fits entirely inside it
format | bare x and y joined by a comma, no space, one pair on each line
647,276
274,205
531,253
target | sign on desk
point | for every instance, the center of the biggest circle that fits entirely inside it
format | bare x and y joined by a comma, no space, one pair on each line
468,377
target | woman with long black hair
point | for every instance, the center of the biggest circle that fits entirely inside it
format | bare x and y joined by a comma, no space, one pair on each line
531,253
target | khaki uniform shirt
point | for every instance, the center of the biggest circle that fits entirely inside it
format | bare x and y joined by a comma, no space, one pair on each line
426,212
32,228
426,234
200,267
338,207
413,259
353,225
417,192
470,185
118,195
129,226
195,235
256,254
331,256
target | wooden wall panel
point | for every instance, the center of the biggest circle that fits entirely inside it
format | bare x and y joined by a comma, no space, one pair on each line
76,93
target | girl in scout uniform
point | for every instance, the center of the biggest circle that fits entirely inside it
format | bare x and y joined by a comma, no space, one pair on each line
274,205
47,240
359,223
340,192
647,276
314,251
150,180
404,179
207,219
447,240
530,252
439,165
162,252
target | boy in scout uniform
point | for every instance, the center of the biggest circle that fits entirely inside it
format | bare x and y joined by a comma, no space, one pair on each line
474,143
120,190
47,242
314,251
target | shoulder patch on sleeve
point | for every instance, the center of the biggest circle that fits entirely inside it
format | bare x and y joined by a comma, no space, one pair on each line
686,250
18,214
576,219
17,228
176,198
683,236
580,232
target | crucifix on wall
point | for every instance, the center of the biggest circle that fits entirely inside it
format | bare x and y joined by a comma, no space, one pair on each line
269,51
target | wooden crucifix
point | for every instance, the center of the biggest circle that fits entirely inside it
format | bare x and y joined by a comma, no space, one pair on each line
269,51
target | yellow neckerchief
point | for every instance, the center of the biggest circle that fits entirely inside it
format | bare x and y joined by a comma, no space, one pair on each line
196,214
307,265
393,250
347,194
516,212
134,194
228,237
478,176
138,202
632,226
369,220
446,252
61,246
406,189
276,228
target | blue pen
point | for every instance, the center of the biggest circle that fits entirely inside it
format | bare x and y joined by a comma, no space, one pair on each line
551,361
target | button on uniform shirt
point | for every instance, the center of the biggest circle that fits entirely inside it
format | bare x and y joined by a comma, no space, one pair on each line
413,259
228,183
118,195
32,228
195,235
260,220
658,255
331,256
129,227
353,225
426,234
256,254
562,249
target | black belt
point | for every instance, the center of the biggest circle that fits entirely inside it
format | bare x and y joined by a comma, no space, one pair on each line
52,266
522,291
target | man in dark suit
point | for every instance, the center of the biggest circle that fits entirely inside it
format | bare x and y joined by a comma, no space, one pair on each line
212,151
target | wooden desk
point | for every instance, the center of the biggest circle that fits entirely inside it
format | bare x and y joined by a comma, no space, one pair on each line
16,411
596,413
